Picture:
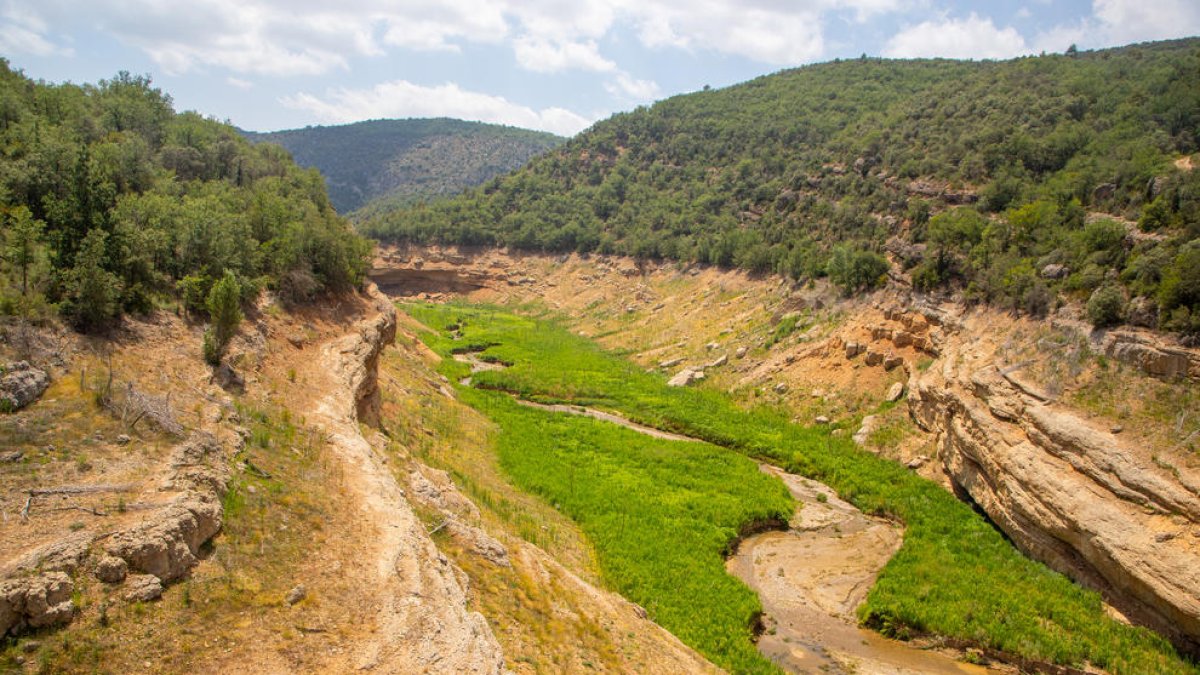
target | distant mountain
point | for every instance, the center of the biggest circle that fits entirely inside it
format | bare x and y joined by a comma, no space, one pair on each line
386,164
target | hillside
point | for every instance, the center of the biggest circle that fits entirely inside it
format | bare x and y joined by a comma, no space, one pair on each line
381,165
114,203
1013,182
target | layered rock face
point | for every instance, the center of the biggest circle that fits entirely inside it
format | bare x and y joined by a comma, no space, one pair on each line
1068,493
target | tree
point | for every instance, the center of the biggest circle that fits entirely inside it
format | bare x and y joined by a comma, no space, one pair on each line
24,243
92,291
224,308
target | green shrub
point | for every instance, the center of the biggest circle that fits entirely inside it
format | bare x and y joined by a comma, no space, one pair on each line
1106,307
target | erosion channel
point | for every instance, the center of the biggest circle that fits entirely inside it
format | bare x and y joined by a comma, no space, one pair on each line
810,577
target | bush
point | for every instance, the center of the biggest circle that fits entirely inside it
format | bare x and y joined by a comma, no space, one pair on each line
1106,307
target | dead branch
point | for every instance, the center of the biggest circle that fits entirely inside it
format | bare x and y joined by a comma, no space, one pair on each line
94,512
439,527
79,489
25,511
252,468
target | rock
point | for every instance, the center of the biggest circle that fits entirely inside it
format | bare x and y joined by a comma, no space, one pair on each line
1067,493
740,353
30,646
1157,360
35,602
873,358
870,424
1163,537
227,378
298,593
20,385
1142,311
1117,428
781,388
891,362
817,393
1055,271
670,363
719,361
712,346
111,569
917,462
821,419
123,439
685,377
297,340
167,546
630,309
143,588
14,456
1104,191
853,349
902,338
895,392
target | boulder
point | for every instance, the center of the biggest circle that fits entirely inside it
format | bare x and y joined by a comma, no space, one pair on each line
143,588
719,361
821,419
670,363
298,593
853,349
891,362
685,377
167,546
869,425
1055,271
741,352
902,338
20,385
781,388
37,601
895,392
873,358
1142,311
111,569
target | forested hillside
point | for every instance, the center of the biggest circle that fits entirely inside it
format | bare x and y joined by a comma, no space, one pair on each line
382,165
112,202
1020,183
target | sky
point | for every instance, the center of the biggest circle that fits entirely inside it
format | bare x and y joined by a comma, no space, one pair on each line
553,65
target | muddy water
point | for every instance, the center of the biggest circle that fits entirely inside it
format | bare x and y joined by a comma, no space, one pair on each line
811,578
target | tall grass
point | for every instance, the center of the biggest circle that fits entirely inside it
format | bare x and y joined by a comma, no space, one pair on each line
954,576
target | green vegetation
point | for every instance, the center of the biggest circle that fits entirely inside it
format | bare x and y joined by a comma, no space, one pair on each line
112,203
224,307
806,171
380,166
955,575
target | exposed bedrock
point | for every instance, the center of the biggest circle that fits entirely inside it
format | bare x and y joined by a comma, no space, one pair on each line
1071,495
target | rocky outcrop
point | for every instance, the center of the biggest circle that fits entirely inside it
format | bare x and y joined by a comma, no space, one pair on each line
1151,355
36,602
20,385
1070,494
167,544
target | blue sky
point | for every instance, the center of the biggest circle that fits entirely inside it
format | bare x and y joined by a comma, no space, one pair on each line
557,65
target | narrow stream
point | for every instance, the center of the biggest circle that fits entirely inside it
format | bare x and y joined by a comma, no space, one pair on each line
809,578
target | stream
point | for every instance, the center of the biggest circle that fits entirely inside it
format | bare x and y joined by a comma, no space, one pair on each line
811,577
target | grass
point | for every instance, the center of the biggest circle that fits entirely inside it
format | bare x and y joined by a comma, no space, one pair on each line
955,575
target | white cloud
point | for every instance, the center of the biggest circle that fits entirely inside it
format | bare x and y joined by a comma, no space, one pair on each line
239,83
553,56
972,37
401,98
1136,20
23,32
626,86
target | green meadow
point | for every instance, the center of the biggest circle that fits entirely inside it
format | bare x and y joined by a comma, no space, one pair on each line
661,514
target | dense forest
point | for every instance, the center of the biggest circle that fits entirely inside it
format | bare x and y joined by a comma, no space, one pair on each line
379,166
1019,183
113,203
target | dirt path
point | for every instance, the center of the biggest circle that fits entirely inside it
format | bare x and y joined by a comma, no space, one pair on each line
423,623
812,577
